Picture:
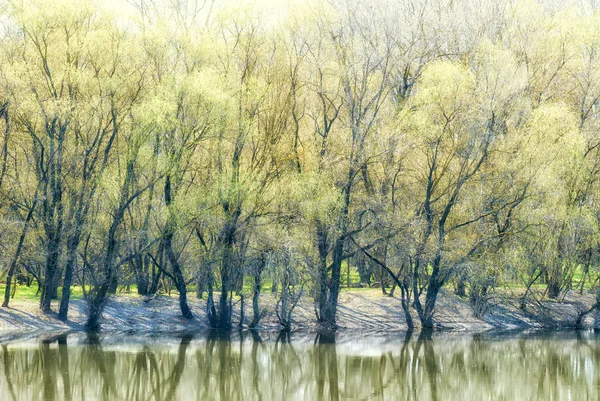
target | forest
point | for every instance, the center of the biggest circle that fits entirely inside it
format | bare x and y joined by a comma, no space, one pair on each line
209,149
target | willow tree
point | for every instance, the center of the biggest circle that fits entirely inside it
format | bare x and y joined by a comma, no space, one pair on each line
108,88
121,186
45,87
580,89
70,82
557,53
346,92
451,144
185,112
244,162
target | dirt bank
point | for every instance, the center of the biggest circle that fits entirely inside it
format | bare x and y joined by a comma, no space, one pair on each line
360,311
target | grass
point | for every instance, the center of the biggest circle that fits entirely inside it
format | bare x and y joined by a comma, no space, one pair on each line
25,293
541,285
22,292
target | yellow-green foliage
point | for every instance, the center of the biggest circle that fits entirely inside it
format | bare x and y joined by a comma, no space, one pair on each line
440,132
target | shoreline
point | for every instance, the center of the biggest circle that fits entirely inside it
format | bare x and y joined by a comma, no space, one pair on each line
361,313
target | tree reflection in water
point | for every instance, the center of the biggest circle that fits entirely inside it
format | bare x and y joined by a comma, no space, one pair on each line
250,366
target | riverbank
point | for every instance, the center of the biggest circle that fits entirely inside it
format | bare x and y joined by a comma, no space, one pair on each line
360,311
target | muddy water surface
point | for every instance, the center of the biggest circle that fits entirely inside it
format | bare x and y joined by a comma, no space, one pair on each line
247,366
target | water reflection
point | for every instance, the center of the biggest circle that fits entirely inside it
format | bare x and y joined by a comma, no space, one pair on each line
226,366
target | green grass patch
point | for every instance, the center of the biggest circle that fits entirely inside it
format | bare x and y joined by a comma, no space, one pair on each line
30,293
22,292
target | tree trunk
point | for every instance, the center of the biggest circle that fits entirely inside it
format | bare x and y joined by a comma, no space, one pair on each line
49,285
461,286
201,283
179,280
66,291
114,283
15,259
52,210
256,292
363,270
323,248
406,307
433,289
211,312
96,305
156,272
228,279
334,285
554,282
141,274
338,255
99,294
168,246
224,313
430,300
383,281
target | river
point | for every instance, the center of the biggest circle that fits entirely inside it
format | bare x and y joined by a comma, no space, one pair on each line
247,366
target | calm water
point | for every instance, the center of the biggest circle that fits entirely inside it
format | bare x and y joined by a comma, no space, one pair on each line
447,367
